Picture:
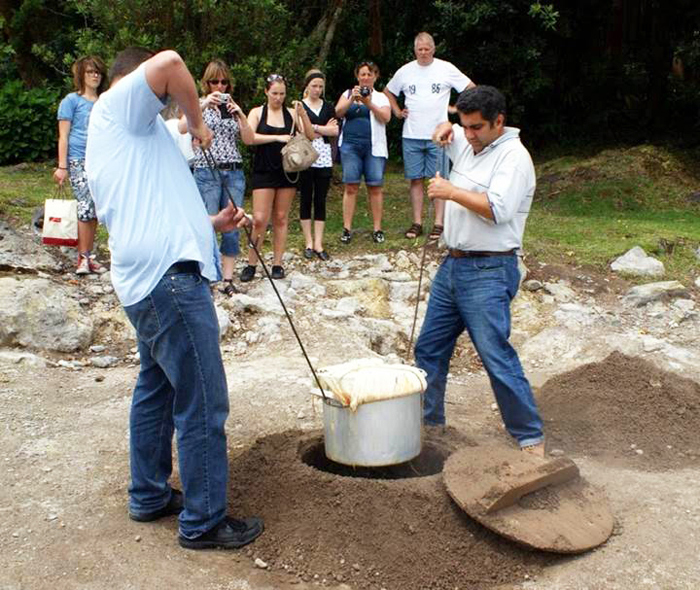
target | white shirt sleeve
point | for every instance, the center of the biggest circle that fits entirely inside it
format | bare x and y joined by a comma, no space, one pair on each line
395,85
457,79
509,186
133,104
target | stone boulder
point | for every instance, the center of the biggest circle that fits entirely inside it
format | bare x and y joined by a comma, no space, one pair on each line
643,294
636,262
23,253
39,314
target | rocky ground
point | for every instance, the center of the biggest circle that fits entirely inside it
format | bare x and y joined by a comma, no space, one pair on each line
68,363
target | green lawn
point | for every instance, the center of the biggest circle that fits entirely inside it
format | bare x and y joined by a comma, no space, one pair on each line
586,210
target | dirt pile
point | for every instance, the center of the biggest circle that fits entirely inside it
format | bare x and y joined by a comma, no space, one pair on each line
392,533
626,409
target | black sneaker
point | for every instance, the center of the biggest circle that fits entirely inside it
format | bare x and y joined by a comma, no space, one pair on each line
378,237
346,236
277,272
174,506
230,533
247,274
308,253
323,255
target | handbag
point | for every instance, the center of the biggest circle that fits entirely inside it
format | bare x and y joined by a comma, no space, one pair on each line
298,154
60,220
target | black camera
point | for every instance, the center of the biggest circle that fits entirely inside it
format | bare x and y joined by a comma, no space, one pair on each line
365,91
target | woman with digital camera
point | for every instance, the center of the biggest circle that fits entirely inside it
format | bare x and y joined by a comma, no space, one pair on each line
229,125
90,80
363,146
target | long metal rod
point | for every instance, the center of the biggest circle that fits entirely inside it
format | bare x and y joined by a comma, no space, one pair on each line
211,162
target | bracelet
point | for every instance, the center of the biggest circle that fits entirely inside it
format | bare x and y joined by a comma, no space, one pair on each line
315,128
61,168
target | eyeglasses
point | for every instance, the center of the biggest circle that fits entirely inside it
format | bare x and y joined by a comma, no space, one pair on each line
275,78
93,72
223,81
371,64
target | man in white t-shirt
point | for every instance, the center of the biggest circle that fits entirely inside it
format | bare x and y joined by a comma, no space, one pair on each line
163,257
488,197
426,84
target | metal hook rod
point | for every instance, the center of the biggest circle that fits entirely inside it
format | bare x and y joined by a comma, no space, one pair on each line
211,163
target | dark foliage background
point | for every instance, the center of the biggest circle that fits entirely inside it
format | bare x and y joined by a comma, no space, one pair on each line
574,71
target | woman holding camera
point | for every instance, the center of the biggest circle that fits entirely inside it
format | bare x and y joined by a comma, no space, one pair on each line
229,125
273,192
90,80
363,146
315,182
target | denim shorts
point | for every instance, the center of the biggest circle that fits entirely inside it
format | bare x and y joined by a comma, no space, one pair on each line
211,189
357,160
422,158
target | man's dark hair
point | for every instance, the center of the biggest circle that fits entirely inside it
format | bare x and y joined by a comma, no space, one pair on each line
128,60
486,99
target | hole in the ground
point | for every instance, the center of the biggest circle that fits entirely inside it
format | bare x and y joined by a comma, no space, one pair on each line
430,461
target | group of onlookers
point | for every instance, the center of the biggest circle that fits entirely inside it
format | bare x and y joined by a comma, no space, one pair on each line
362,145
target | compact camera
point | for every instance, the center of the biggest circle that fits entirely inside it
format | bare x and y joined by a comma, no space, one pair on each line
224,98
365,91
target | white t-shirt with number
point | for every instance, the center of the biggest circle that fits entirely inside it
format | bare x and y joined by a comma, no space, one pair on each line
427,94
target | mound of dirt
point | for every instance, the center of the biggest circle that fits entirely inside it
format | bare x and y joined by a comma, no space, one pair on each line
369,533
627,409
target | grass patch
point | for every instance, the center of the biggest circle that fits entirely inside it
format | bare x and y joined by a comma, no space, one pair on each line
587,210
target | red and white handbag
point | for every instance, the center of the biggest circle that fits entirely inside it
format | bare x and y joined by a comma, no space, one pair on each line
60,220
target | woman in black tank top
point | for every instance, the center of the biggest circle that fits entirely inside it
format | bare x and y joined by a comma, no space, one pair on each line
273,193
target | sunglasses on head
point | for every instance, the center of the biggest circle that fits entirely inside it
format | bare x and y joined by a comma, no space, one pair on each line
222,81
365,63
275,78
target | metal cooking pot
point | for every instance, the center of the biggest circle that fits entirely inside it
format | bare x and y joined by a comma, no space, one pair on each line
378,433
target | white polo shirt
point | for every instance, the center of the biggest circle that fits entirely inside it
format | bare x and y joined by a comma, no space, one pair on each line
427,94
505,172
143,190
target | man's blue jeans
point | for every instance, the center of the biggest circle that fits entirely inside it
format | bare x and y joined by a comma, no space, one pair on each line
475,294
182,387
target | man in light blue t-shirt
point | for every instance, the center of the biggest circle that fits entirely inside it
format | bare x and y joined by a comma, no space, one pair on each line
163,257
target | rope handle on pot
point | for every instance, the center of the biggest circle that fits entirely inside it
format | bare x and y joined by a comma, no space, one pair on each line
211,163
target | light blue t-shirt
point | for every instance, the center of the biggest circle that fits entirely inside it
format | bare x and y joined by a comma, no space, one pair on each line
76,109
143,191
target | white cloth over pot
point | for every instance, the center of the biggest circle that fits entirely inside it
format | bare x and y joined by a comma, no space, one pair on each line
368,380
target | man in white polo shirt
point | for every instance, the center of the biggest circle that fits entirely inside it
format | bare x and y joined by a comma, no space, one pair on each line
163,257
426,84
487,201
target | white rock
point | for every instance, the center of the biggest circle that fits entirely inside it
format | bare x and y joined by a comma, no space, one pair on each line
637,262
532,285
21,358
96,348
104,362
643,294
259,563
223,319
560,291
42,314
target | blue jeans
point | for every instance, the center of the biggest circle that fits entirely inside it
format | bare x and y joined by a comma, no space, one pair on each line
181,387
357,160
475,294
422,158
211,188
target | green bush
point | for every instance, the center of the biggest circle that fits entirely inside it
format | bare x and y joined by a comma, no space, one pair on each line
27,123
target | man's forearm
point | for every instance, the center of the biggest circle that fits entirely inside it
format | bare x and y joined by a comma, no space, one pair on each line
472,200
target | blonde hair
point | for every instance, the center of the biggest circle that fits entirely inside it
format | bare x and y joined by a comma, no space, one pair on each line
316,73
216,69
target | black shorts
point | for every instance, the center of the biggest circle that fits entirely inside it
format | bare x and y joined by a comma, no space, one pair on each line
273,179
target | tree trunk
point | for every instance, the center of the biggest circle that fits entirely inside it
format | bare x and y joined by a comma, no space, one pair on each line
335,12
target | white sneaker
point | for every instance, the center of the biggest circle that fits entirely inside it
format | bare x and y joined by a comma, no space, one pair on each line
83,267
95,266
